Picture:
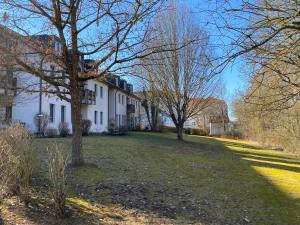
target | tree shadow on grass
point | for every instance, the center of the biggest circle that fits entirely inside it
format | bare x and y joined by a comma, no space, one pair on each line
199,181
207,183
78,212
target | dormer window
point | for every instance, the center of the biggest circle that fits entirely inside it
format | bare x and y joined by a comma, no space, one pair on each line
52,68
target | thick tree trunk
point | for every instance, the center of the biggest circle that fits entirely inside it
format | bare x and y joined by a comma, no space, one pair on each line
153,118
148,115
77,158
179,129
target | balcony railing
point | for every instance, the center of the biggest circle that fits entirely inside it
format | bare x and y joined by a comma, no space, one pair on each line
130,108
88,97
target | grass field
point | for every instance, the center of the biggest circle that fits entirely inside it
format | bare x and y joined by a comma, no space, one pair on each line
146,178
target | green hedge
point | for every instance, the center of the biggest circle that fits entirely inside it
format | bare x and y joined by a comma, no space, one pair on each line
197,131
166,129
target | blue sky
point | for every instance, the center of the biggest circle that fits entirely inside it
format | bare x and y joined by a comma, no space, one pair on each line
232,76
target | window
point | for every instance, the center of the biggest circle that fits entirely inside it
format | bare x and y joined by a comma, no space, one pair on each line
96,89
96,117
52,71
8,113
119,98
123,99
52,113
101,92
119,120
63,114
63,75
101,117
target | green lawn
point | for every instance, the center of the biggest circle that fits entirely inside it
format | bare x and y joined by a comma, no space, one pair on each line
146,178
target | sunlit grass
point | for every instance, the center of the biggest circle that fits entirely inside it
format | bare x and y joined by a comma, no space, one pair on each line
287,181
279,168
273,163
151,178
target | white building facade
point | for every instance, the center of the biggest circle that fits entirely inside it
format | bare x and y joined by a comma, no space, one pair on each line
103,101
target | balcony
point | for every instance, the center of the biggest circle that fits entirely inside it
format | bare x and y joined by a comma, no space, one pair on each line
130,108
8,85
87,97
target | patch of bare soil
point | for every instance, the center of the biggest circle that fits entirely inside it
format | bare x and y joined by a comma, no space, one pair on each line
168,203
12,212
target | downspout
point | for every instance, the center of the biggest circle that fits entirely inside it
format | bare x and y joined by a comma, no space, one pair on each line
40,107
108,108
116,107
40,97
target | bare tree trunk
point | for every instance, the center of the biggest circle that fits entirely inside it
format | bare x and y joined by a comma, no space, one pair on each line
156,119
179,129
77,158
148,115
153,118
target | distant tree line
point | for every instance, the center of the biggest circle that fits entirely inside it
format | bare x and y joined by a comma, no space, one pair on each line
266,37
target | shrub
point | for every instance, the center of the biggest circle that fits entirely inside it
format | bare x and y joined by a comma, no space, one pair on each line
166,129
195,131
234,134
41,122
16,161
199,131
122,130
188,131
86,126
63,129
51,132
57,166
118,130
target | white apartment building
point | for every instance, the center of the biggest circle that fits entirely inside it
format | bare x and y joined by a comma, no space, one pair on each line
106,102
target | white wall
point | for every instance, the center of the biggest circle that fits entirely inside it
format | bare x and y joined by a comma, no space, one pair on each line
52,99
218,128
26,105
121,108
88,111
117,109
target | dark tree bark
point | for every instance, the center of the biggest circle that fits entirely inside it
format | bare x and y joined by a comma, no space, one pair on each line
179,129
154,117
146,107
77,156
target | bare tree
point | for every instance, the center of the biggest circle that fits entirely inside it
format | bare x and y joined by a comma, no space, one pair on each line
266,34
182,79
112,32
150,100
